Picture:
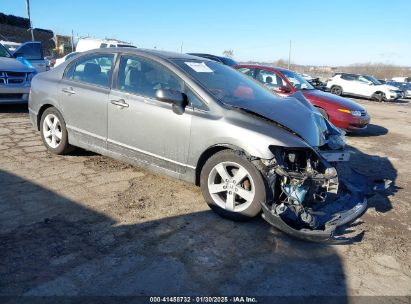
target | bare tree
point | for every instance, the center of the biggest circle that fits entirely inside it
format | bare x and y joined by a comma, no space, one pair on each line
228,53
379,70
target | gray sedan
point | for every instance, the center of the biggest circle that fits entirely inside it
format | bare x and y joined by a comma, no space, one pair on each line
203,122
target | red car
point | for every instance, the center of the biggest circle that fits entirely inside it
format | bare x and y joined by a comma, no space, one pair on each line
342,112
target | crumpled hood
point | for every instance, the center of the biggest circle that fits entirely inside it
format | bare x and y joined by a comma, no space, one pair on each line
13,65
295,113
333,99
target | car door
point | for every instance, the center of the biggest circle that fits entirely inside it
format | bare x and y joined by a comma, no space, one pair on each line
363,86
84,92
141,127
348,84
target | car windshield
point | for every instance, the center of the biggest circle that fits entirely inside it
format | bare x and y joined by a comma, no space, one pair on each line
4,52
226,84
372,79
297,81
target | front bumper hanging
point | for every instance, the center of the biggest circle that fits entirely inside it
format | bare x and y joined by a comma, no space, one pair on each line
350,205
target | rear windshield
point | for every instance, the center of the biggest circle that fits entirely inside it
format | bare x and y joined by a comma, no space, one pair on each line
228,61
31,51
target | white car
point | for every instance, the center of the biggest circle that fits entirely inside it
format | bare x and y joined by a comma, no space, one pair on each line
362,86
86,44
62,59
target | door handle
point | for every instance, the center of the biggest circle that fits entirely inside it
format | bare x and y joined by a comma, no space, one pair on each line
121,102
69,90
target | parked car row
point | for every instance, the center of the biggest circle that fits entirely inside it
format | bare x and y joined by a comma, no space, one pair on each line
314,81
196,119
342,112
405,87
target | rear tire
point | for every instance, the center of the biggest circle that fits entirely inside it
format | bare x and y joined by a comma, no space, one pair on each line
54,133
336,90
232,186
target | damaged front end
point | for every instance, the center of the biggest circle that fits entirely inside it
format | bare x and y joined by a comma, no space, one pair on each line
307,199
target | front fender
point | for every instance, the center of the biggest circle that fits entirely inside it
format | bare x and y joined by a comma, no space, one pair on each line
251,142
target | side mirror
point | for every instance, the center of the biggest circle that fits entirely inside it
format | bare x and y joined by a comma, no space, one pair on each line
283,89
176,98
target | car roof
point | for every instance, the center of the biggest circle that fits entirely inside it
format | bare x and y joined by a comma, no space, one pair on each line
352,74
260,66
209,55
156,53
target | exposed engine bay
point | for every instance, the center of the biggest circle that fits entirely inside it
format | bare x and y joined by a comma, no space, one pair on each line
307,199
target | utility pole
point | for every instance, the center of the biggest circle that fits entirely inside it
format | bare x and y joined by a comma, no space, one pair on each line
289,56
72,41
181,48
28,14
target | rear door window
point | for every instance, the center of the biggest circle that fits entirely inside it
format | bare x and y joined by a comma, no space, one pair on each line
348,77
94,69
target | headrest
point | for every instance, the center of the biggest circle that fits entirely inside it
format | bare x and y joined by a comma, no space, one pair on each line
132,76
91,69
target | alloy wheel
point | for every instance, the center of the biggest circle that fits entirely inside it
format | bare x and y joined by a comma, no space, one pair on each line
52,131
231,186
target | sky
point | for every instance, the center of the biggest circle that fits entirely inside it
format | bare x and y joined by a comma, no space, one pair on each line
322,32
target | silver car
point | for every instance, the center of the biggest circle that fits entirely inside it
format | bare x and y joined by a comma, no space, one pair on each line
202,122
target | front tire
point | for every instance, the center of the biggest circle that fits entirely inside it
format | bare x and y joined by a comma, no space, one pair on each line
232,186
53,132
380,97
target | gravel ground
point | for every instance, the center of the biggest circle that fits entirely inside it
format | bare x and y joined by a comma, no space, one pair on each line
85,224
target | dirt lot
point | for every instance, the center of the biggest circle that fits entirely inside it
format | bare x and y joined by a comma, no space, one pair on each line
87,225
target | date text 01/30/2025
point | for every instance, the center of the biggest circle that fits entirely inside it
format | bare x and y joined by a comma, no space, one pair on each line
203,300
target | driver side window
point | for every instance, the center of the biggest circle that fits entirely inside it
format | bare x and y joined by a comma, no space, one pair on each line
144,77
